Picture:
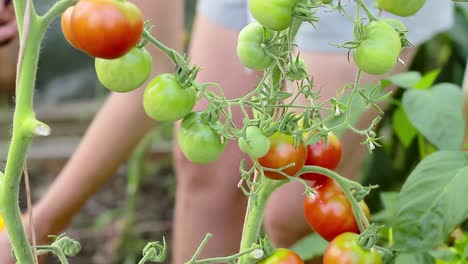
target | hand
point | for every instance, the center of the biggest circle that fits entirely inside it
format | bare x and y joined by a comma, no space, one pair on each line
5,249
8,27
6,253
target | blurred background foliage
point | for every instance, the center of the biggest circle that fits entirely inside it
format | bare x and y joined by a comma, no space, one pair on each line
389,165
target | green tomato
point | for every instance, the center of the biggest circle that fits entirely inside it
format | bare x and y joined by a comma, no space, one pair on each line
199,142
396,24
378,52
345,249
249,47
255,144
282,256
126,73
402,8
275,15
166,100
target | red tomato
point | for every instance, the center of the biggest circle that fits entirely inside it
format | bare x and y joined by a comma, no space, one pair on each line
323,155
66,27
282,153
282,256
345,249
106,29
329,213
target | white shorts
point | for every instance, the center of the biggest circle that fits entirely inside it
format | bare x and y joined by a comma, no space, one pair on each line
435,17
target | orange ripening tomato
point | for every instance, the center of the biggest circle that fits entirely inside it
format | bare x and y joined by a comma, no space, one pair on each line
105,29
65,23
282,153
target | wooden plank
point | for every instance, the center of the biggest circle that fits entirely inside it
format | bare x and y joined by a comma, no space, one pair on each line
63,147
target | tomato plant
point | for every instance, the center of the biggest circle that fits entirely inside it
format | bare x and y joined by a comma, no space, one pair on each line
273,14
110,30
329,212
166,100
255,144
377,53
104,28
199,142
345,249
282,256
126,73
250,49
326,155
282,152
402,8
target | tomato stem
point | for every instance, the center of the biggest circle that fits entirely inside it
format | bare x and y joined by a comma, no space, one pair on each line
228,259
367,10
255,212
25,125
172,54
54,249
57,9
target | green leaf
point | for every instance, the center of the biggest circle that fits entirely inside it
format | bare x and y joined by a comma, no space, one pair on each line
431,203
310,247
407,80
414,259
437,114
446,254
389,200
428,80
403,128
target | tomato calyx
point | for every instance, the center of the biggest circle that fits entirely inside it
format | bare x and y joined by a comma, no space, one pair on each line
186,75
306,12
297,70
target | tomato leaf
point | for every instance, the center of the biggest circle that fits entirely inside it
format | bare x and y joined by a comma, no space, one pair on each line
389,200
407,80
310,246
428,80
403,128
437,113
415,258
430,203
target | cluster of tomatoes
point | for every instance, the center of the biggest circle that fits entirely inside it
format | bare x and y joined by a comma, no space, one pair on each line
110,31
328,211
377,48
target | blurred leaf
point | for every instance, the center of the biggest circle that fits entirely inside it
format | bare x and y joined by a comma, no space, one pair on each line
310,247
104,219
446,254
431,202
415,258
403,128
428,80
407,80
390,201
437,114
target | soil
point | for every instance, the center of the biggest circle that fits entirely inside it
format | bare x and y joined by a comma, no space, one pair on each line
98,226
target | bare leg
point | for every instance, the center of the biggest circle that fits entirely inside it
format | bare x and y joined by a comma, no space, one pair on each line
207,198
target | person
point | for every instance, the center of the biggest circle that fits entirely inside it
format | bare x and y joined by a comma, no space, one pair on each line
109,140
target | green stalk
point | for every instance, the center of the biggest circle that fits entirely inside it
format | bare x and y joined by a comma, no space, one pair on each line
255,212
25,125
257,202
